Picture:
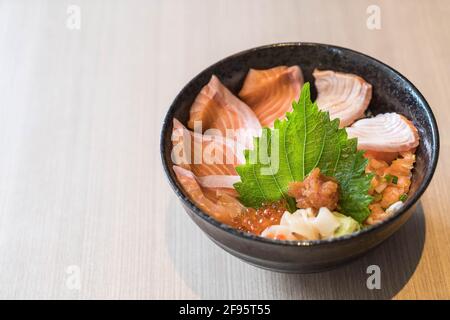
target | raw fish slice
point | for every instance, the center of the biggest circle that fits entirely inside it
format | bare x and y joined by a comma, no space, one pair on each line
220,184
345,96
217,204
216,193
388,132
270,92
215,107
217,184
205,155
222,181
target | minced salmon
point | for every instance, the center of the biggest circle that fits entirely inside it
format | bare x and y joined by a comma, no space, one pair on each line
315,191
389,184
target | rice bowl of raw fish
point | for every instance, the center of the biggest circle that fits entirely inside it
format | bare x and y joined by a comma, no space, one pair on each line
297,157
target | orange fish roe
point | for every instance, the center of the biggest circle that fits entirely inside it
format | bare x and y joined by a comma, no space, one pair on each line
256,221
389,184
315,191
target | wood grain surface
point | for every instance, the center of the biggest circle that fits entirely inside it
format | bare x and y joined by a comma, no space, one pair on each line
85,209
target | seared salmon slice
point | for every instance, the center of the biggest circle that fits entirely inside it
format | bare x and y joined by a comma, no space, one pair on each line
345,96
387,132
205,155
218,181
215,107
270,92
218,204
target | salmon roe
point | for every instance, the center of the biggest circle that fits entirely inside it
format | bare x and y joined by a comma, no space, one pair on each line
256,221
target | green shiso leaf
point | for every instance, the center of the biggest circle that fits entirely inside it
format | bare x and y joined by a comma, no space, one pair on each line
306,139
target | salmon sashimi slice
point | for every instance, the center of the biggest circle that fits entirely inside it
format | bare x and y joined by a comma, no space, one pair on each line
345,96
388,132
215,107
270,92
218,204
219,184
205,155
218,181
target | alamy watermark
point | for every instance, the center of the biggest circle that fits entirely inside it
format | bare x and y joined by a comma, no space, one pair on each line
73,277
73,21
374,280
373,21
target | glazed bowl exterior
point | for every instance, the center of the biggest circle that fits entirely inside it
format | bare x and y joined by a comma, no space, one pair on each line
392,92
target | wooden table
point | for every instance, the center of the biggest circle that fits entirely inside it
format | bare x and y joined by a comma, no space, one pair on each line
85,209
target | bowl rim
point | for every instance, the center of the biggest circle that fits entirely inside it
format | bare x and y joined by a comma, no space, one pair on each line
301,243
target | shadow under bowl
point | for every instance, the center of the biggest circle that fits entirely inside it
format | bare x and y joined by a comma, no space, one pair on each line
392,92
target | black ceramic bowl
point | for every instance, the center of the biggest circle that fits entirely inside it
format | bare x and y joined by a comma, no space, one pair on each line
392,92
